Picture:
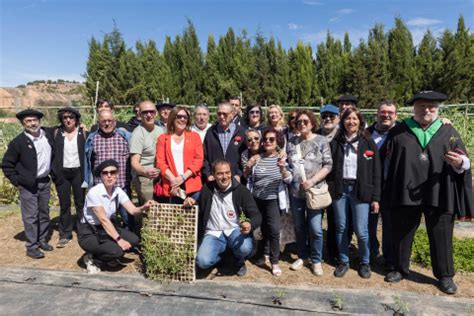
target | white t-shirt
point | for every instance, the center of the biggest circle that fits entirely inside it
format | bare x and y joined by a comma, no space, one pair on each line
71,153
97,196
201,132
178,155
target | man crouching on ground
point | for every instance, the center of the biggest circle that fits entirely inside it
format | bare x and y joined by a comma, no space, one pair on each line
227,216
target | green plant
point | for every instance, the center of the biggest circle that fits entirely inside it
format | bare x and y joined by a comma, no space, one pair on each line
336,302
243,218
400,307
8,192
463,252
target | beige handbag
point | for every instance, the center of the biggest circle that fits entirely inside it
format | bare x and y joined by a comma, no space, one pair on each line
316,198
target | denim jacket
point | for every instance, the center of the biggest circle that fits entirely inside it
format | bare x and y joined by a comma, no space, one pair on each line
88,178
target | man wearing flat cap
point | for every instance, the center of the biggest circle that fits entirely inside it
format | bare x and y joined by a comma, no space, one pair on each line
27,164
346,101
164,110
428,172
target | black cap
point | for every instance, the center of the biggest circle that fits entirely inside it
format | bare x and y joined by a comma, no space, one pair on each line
72,110
428,95
349,98
28,112
162,105
104,164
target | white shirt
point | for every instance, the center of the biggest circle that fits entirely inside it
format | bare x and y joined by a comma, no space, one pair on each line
201,132
222,217
349,171
43,153
71,153
178,155
98,196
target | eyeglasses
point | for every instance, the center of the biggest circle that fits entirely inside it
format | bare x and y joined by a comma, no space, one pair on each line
70,117
182,116
269,139
305,122
151,112
109,173
106,121
387,113
223,114
253,139
254,112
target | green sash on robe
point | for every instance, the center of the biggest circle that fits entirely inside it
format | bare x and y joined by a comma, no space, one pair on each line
423,135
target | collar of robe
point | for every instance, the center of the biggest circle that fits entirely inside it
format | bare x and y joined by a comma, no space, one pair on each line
423,135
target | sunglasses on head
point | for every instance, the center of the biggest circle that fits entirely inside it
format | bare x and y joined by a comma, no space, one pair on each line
269,139
181,116
109,173
253,139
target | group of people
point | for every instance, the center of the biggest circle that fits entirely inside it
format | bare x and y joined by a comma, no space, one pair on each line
246,173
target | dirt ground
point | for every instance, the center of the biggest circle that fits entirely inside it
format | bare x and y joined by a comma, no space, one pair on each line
421,280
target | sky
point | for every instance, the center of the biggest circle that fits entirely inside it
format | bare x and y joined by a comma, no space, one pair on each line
48,39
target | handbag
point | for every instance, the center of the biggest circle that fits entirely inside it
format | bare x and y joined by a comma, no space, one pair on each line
316,198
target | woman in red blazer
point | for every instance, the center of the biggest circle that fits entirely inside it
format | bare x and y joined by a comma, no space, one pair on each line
179,156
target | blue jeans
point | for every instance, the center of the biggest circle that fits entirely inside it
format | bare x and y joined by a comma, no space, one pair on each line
360,218
304,218
211,247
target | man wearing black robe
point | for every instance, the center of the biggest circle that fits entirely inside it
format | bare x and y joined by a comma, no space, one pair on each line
428,172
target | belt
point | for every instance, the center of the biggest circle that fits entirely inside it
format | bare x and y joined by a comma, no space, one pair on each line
348,181
43,179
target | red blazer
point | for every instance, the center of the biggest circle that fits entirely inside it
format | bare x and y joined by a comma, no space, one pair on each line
193,160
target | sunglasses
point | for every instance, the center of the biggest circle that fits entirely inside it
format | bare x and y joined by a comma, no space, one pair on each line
70,117
328,116
269,139
254,112
181,116
253,139
222,114
300,122
152,112
109,173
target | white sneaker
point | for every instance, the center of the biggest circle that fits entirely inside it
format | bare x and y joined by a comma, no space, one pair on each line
267,259
317,269
297,265
89,262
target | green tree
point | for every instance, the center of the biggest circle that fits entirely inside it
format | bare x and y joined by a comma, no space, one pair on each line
211,73
428,63
359,75
330,67
302,75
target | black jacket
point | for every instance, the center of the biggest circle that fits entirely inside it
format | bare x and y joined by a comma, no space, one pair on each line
368,182
19,163
241,197
57,164
213,150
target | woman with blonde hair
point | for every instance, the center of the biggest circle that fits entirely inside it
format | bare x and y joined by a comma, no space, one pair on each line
276,118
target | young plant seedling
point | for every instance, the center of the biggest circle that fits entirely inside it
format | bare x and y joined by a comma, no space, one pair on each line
243,218
336,302
277,299
400,306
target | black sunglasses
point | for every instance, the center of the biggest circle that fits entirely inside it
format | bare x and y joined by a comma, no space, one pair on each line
109,173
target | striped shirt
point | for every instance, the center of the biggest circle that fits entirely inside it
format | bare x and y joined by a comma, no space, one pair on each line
266,178
114,147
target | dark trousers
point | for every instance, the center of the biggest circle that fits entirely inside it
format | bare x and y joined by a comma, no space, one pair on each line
331,243
71,179
271,221
373,241
387,240
100,245
35,214
439,225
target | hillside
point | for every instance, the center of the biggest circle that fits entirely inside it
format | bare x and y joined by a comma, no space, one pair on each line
39,94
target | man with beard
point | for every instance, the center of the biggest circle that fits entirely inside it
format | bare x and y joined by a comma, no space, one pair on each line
201,120
429,173
27,164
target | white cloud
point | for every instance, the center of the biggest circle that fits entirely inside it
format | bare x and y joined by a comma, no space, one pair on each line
312,2
423,22
417,33
346,11
354,34
294,26
334,19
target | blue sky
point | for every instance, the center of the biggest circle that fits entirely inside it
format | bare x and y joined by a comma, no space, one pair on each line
48,39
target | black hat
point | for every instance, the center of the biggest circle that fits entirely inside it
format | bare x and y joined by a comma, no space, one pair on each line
28,112
349,98
428,95
72,110
104,164
162,105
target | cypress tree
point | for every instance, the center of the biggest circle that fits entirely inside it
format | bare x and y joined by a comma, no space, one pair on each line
211,73
359,75
427,63
302,75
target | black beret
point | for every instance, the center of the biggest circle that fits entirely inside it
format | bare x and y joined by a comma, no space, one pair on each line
28,112
162,105
428,95
72,110
104,164
349,98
